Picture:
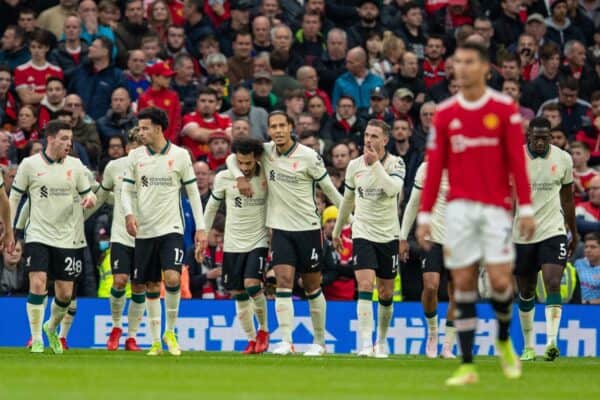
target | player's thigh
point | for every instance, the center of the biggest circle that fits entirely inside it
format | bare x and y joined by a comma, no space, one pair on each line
284,276
171,257
37,260
498,247
364,256
527,262
553,251
365,279
465,279
463,244
121,259
233,271
65,264
309,249
255,264
388,259
283,251
433,267
146,261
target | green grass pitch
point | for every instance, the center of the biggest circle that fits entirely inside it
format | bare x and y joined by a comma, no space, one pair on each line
97,374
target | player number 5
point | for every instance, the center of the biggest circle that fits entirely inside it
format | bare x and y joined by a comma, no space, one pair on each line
563,250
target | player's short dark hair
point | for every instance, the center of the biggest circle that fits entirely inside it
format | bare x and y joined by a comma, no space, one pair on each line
593,236
54,79
208,91
380,124
275,113
478,48
539,123
55,126
156,116
247,145
568,82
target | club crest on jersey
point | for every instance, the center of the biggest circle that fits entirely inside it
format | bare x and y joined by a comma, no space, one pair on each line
167,102
491,121
295,165
553,169
170,164
69,174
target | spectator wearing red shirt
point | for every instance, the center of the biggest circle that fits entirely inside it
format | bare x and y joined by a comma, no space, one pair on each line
53,101
159,95
583,174
527,51
200,124
176,8
30,78
588,213
590,132
217,11
27,129
8,105
433,65
307,77
219,147
159,18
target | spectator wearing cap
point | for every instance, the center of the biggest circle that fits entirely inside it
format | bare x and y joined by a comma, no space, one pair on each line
129,32
508,27
410,29
135,74
545,86
307,77
262,94
358,82
346,124
409,78
309,40
575,66
185,83
159,95
573,110
560,28
239,66
368,12
71,51
241,108
536,27
332,63
578,17
219,147
282,82
197,26
119,120
402,103
96,79
380,106
434,65
239,22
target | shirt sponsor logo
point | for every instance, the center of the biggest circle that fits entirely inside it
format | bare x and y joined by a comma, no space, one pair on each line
156,181
46,192
461,143
369,193
240,202
275,176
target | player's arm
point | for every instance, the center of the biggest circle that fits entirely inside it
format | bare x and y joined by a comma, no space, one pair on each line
319,173
28,96
23,216
127,197
19,187
567,203
346,206
8,239
410,212
217,195
188,179
392,183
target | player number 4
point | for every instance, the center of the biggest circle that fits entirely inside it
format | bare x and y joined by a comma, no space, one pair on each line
314,256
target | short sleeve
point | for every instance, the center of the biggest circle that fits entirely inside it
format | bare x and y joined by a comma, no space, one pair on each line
108,182
187,171
567,179
83,180
398,169
316,167
219,186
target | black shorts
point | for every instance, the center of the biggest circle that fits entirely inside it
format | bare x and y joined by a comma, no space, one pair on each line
121,259
433,260
302,250
59,264
531,257
154,255
381,257
240,266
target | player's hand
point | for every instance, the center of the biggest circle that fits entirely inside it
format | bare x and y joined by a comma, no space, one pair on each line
423,235
132,225
404,250
370,155
88,202
527,227
337,244
8,240
214,273
200,243
244,187
572,245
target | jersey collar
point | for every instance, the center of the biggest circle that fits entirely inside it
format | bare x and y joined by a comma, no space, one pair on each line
163,151
49,160
289,151
534,156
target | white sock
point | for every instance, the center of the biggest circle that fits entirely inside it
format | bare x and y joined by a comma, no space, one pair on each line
384,316
260,310
449,335
67,321
364,312
244,312
553,315
432,326
35,314
117,305
526,318
154,317
135,313
57,313
172,298
318,310
284,309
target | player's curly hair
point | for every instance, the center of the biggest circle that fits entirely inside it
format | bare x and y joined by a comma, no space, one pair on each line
247,145
156,116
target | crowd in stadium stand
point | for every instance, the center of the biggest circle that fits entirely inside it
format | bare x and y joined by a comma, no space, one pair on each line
219,67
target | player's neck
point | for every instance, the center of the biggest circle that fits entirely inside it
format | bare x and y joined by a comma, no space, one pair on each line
51,155
159,145
286,147
474,93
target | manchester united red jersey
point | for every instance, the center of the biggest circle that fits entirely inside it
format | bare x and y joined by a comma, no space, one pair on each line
481,145
166,100
217,122
35,77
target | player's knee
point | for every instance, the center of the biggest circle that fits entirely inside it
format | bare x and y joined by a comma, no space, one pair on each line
284,281
385,296
501,284
154,287
552,284
172,280
430,287
138,288
365,286
120,281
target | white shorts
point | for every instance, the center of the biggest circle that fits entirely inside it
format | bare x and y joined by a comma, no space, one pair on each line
477,232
